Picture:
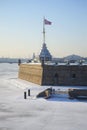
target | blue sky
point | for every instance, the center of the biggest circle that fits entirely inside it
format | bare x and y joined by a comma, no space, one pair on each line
21,26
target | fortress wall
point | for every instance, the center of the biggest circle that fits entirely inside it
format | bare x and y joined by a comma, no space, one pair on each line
31,73
65,75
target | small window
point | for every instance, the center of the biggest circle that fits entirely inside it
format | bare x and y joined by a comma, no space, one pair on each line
73,75
56,75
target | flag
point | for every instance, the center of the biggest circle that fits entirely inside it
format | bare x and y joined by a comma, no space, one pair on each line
47,22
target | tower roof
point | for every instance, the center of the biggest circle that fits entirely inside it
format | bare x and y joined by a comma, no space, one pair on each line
45,54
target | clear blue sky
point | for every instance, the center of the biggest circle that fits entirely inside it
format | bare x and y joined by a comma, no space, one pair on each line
21,26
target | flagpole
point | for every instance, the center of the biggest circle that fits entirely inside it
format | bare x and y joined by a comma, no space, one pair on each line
43,30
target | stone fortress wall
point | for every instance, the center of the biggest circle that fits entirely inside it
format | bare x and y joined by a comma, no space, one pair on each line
31,72
67,75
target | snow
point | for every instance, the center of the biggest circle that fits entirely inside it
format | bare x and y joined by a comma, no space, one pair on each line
17,113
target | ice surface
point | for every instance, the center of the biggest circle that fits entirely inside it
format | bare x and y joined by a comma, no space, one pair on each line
17,113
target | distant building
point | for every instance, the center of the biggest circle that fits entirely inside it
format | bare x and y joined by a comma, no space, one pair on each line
73,58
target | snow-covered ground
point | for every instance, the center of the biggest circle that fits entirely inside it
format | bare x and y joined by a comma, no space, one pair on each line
17,113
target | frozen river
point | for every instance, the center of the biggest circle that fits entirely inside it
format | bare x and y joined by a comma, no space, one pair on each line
16,113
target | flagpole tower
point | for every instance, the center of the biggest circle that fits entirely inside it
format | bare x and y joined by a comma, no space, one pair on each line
45,54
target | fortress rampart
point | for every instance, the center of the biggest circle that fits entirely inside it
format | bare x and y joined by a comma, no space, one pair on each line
54,74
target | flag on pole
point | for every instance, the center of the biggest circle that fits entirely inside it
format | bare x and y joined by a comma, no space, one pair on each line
47,22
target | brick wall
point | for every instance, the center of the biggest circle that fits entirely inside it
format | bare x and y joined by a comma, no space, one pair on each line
65,75
31,73
54,75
